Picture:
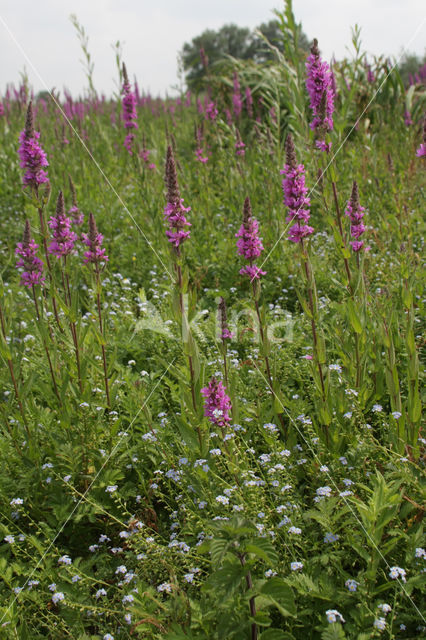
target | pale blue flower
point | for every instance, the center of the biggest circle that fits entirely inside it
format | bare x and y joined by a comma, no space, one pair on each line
333,616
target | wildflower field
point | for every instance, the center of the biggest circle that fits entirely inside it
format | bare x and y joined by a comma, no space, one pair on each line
211,327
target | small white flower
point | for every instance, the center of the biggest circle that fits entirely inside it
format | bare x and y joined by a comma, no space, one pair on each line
58,597
270,573
295,530
385,608
380,624
296,566
128,598
16,501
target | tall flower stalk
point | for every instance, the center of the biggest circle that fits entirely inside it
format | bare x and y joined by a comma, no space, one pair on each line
32,276
96,256
177,233
319,84
129,114
34,162
61,246
297,202
249,245
355,212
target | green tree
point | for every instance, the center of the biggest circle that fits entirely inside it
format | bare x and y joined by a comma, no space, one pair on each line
409,65
231,40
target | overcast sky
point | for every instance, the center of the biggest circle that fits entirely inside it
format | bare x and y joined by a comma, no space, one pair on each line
153,31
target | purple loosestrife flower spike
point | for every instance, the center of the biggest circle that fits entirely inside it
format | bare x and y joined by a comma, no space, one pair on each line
32,156
129,111
225,334
421,151
295,194
93,240
249,244
32,265
63,237
74,211
236,97
319,84
217,404
174,211
355,213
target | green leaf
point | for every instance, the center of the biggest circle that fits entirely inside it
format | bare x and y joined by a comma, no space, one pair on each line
276,634
263,549
333,632
280,595
353,316
261,618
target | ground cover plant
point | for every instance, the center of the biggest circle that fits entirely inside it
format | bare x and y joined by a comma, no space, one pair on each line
211,329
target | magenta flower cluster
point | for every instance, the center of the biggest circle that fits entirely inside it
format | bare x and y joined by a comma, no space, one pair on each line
249,244
63,236
355,213
129,112
319,84
217,404
295,195
93,240
421,151
236,97
77,215
174,213
28,260
33,158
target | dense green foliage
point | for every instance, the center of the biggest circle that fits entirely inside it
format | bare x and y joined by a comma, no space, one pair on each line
140,518
231,40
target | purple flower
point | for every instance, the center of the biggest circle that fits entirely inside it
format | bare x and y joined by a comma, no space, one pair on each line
355,213
236,97
32,265
421,151
225,334
63,237
217,404
252,271
129,114
407,118
249,244
211,111
93,240
295,194
323,146
319,84
174,211
32,156
370,75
